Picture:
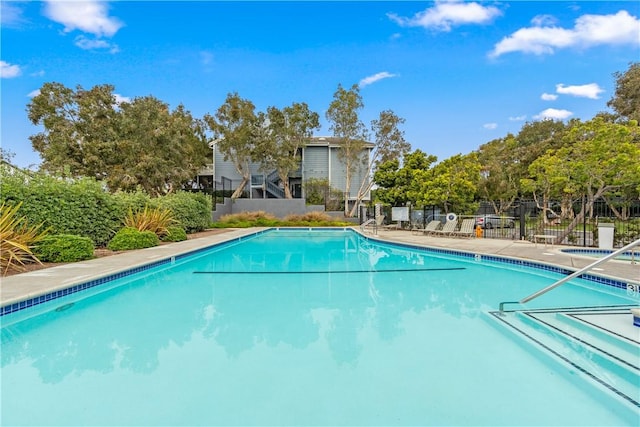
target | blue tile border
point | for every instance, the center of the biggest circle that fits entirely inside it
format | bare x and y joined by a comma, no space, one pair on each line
21,305
619,284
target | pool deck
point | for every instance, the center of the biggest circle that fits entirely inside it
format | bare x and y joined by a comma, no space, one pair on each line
24,286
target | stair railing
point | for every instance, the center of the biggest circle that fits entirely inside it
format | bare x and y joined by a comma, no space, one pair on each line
572,275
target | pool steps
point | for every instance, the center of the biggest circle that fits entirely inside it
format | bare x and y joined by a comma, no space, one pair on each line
609,363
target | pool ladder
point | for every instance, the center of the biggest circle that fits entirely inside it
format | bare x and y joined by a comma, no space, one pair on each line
370,222
571,276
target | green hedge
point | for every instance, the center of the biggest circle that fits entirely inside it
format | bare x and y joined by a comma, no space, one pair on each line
83,207
78,207
191,210
64,248
128,238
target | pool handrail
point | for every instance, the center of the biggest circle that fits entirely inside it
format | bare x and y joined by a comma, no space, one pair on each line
572,275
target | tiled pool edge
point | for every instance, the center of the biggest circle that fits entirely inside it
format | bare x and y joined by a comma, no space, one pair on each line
520,262
13,307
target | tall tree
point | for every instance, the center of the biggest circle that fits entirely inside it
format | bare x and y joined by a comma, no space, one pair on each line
500,173
235,127
141,143
389,145
599,158
451,184
284,136
626,100
79,129
159,149
398,184
347,126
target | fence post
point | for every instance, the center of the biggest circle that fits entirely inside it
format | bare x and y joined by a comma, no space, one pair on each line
523,225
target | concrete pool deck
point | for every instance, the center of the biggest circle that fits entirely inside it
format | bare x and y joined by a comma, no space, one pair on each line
24,286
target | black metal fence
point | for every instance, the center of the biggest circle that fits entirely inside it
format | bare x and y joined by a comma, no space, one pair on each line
525,220
217,190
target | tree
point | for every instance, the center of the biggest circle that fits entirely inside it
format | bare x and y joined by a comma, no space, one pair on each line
451,184
626,100
397,184
141,143
235,127
80,129
158,149
347,126
285,134
500,173
599,158
389,145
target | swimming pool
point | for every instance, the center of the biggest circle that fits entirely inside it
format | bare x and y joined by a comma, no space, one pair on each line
297,328
599,253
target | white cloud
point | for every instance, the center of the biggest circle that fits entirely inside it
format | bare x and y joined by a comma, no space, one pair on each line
121,99
374,78
518,118
548,97
87,16
10,14
543,20
92,44
33,93
8,71
589,30
554,114
446,14
490,126
591,90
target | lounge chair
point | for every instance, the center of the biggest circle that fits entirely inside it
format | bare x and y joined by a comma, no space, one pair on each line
466,228
431,227
447,229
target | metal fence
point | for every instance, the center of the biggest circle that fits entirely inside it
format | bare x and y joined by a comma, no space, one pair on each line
525,220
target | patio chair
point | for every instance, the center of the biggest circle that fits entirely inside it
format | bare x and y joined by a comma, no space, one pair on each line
431,227
447,229
466,228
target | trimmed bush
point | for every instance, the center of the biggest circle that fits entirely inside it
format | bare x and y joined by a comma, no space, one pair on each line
80,207
191,210
175,234
130,238
64,248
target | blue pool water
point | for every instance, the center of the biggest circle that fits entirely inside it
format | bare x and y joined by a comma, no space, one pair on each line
599,253
298,328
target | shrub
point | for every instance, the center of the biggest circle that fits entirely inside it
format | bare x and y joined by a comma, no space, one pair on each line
175,234
133,200
80,207
64,248
191,210
17,239
154,220
248,219
128,238
317,217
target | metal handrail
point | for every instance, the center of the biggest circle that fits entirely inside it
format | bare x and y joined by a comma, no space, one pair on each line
572,275
369,222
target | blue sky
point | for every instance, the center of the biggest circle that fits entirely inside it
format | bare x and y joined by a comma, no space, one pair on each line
460,73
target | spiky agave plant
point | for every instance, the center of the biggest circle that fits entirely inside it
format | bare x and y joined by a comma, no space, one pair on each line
150,219
17,239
